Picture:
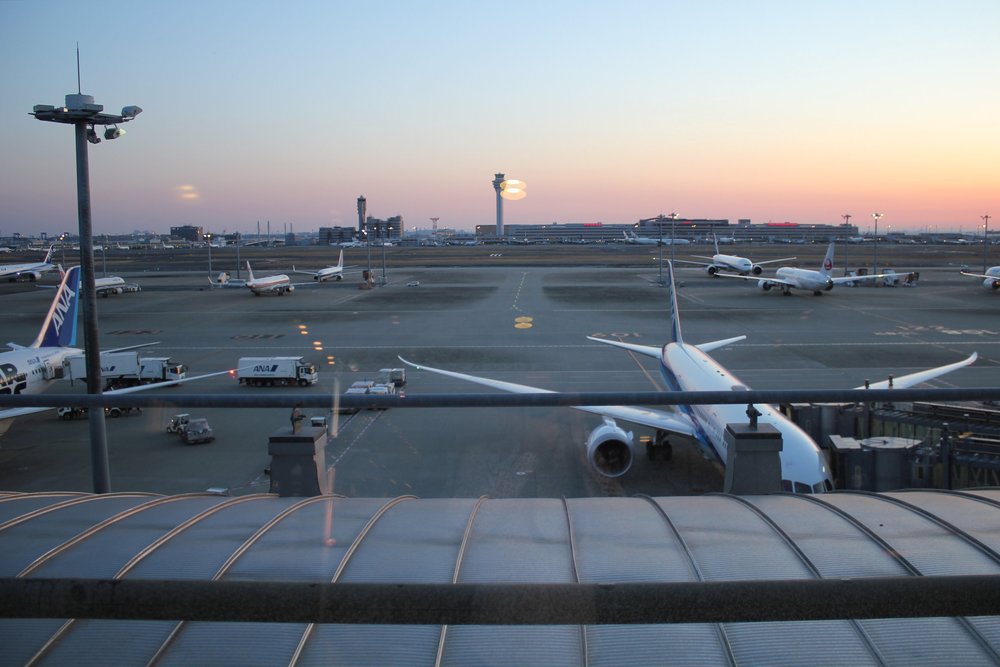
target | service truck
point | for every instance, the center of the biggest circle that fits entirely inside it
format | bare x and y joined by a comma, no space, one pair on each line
270,371
128,369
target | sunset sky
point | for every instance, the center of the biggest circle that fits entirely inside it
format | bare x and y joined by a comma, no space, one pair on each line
768,110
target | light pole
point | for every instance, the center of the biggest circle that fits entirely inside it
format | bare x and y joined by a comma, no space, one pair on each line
81,112
208,237
847,223
388,233
986,240
876,217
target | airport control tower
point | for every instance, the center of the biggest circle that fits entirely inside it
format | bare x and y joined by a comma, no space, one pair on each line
497,181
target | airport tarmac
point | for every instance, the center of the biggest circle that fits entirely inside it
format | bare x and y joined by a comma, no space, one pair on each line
524,324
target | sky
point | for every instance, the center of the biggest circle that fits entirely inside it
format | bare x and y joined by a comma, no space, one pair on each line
610,112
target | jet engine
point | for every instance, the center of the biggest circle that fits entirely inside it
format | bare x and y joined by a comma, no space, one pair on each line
291,288
610,450
765,285
711,270
992,283
757,269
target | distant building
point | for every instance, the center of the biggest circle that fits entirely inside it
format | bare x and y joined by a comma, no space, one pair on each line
335,235
187,232
390,229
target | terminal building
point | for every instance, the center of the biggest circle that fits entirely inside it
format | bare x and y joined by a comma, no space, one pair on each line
689,229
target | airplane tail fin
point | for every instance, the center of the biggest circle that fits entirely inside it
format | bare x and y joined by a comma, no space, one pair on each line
715,240
59,325
249,272
675,317
827,267
48,255
340,262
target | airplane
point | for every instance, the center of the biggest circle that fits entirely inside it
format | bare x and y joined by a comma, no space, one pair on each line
644,240
278,284
788,277
324,274
32,271
32,369
734,263
114,285
991,279
687,367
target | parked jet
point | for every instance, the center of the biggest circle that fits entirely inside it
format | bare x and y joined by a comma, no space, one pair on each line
114,285
788,278
643,240
330,272
686,367
991,279
32,369
735,263
31,271
278,284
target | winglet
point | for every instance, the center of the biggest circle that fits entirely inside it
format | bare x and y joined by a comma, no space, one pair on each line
59,326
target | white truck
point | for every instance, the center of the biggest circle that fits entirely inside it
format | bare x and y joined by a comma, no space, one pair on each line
128,369
270,371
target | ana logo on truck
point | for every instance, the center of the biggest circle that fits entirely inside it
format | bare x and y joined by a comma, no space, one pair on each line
265,368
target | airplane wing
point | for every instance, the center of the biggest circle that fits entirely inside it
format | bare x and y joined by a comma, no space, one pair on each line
770,279
906,381
979,275
851,279
651,417
655,352
20,412
772,261
308,273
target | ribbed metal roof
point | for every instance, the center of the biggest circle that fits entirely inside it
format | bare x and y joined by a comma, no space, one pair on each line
409,540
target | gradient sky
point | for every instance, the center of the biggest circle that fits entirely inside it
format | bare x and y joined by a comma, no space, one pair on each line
768,110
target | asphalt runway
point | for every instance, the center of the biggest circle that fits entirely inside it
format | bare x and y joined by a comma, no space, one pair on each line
524,324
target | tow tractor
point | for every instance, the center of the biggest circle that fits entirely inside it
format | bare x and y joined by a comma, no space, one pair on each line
192,430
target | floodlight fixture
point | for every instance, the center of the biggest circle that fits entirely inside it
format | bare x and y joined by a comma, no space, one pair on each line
113,132
130,112
92,136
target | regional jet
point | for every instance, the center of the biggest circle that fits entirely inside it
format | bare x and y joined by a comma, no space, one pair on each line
788,278
31,271
278,284
734,263
327,273
991,279
686,367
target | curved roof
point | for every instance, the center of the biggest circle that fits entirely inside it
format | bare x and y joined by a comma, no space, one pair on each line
599,540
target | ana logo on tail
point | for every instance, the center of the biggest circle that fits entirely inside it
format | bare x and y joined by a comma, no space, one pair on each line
60,325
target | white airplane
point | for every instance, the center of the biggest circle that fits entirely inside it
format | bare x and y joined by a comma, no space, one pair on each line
114,285
32,369
32,270
277,284
991,279
788,278
685,367
327,273
734,263
644,240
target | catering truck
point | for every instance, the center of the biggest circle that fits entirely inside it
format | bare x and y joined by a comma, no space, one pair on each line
127,369
270,371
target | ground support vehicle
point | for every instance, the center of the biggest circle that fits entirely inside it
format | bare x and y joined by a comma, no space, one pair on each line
271,371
